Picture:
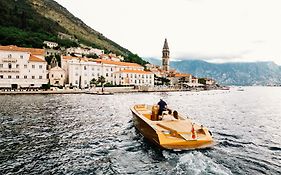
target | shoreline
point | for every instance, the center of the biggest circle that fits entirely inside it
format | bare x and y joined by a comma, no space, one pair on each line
97,92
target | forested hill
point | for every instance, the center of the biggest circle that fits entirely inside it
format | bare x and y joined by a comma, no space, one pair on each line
28,23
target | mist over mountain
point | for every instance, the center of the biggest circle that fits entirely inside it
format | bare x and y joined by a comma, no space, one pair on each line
254,73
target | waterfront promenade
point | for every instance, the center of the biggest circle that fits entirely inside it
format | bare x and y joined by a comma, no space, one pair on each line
94,91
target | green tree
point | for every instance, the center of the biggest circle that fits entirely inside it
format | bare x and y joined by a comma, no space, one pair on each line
93,82
201,80
101,80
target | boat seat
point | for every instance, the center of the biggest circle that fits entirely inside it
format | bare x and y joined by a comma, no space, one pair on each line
141,107
148,116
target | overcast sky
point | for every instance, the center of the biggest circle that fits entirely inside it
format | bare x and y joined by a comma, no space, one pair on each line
214,30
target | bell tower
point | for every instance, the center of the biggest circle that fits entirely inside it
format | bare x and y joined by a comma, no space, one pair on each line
165,56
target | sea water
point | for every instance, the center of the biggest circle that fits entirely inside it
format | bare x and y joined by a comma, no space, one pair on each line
90,134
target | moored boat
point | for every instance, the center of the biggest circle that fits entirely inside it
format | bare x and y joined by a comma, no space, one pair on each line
169,132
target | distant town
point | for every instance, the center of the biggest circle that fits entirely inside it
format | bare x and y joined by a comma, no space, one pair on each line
83,67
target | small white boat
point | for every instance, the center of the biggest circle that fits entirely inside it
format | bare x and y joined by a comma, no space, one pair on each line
240,89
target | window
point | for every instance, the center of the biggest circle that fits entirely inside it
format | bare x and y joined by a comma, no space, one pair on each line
93,74
76,82
1,76
106,74
1,65
85,74
40,77
85,82
93,69
17,66
9,76
33,66
17,77
76,74
9,65
21,56
111,69
10,56
40,66
33,77
85,68
25,66
61,76
76,68
25,77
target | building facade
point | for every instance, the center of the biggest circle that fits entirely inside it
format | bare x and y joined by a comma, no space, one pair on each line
134,77
80,72
22,67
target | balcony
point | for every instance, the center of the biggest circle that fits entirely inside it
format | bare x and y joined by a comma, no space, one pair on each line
13,70
9,60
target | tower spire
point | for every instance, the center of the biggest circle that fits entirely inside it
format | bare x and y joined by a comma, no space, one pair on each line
166,44
165,56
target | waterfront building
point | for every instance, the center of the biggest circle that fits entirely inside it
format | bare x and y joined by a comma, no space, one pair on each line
56,74
210,81
166,56
194,80
180,78
22,67
80,71
134,77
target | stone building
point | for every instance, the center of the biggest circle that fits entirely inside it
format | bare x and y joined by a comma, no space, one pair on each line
22,67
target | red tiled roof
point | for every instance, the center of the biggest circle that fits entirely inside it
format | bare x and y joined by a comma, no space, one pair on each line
33,51
117,63
35,59
134,71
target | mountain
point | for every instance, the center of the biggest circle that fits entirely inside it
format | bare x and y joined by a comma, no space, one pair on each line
255,73
28,23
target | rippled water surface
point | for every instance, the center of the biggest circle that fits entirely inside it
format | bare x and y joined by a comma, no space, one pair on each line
89,134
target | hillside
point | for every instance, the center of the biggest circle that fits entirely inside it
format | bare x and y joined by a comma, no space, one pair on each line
29,22
255,73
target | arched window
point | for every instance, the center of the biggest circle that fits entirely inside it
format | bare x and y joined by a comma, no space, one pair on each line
10,66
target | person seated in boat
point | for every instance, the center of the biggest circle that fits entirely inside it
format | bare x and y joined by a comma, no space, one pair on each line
176,115
162,106
167,117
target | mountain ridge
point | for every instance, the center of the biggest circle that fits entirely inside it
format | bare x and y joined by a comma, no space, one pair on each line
234,73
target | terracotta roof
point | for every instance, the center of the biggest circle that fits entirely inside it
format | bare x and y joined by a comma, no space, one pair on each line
69,57
35,59
134,71
33,51
117,63
182,75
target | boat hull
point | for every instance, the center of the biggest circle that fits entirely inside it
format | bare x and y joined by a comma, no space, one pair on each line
145,129
176,139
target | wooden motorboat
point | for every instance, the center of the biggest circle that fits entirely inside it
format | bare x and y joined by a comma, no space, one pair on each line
168,132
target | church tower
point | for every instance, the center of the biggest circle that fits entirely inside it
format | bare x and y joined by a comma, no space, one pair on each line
165,56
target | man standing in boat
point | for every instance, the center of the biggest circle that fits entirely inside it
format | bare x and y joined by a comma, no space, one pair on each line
162,106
